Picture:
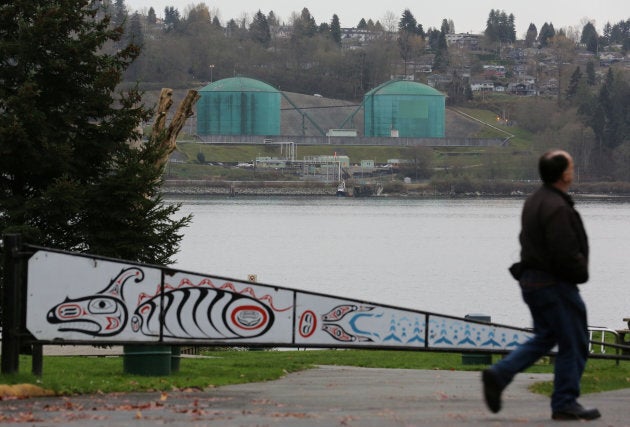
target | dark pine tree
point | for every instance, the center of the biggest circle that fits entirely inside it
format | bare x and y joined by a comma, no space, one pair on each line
547,32
574,83
532,34
151,17
171,18
590,37
73,173
335,30
408,23
259,29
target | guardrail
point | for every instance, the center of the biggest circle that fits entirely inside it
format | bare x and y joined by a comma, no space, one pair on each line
592,330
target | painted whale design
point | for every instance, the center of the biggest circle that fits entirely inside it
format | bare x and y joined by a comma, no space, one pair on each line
103,314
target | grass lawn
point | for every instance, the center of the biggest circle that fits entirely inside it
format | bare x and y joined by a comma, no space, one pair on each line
80,375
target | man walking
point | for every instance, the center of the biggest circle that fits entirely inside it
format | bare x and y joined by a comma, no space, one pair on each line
554,259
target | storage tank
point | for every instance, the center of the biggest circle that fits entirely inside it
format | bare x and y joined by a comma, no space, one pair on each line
238,106
406,109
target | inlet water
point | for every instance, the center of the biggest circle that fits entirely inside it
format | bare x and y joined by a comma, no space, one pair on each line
440,255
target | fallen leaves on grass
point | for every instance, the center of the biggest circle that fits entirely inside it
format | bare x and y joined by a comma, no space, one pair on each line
17,391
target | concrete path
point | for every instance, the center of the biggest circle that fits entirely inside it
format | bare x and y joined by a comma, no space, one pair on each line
325,396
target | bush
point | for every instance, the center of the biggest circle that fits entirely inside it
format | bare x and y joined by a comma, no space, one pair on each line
201,158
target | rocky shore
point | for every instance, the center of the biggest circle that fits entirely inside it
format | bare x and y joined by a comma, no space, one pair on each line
247,188
391,189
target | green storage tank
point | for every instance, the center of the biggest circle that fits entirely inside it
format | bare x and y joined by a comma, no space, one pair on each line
406,109
238,106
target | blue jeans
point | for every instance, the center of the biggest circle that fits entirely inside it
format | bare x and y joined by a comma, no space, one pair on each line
559,316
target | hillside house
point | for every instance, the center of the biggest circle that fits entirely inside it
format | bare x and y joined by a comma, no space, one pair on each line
485,86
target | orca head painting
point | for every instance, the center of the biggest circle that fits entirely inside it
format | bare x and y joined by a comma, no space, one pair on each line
102,314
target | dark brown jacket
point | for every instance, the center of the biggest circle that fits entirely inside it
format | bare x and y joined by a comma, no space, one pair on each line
552,237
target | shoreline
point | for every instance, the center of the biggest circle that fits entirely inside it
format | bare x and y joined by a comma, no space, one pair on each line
318,189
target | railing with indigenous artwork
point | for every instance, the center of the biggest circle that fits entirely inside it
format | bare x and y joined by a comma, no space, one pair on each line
75,299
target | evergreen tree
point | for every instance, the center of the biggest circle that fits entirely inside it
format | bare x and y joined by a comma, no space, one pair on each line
216,23
410,37
547,32
608,114
445,27
574,83
500,27
171,18
590,37
151,17
304,25
617,129
511,28
532,34
451,26
433,38
259,29
362,25
408,23
441,60
420,31
69,176
232,29
620,34
335,30
491,31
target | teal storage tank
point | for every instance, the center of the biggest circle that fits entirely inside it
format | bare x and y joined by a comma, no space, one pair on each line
238,106
406,109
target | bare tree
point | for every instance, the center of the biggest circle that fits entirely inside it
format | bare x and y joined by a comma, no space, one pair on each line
390,21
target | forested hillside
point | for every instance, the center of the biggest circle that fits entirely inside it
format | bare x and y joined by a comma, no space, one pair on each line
565,87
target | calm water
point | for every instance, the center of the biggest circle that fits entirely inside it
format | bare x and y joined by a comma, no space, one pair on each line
443,256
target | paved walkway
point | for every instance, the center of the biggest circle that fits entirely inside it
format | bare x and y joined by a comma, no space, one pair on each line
325,396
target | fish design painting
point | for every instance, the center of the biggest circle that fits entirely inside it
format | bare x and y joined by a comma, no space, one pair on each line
102,314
